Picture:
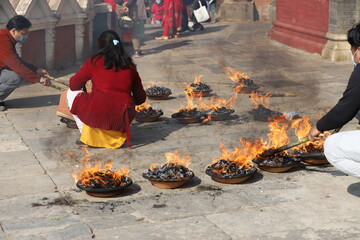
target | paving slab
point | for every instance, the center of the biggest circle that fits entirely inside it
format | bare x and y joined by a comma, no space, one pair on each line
39,199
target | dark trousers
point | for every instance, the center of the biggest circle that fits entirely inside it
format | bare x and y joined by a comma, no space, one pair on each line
9,81
184,20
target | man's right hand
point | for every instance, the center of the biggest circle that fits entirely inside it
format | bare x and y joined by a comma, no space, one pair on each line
45,81
313,133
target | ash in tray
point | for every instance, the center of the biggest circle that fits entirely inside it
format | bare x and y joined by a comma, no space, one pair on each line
312,148
247,82
221,110
278,160
104,180
155,91
149,112
263,111
183,113
230,169
168,171
200,87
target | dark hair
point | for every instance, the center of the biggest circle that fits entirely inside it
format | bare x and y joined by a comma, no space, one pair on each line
18,22
353,35
114,54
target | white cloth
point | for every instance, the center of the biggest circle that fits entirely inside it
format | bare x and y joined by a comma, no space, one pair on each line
342,150
70,99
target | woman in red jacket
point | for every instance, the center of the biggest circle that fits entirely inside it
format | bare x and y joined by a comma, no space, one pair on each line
104,115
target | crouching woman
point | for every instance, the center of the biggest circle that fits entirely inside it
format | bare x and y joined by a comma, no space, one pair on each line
103,116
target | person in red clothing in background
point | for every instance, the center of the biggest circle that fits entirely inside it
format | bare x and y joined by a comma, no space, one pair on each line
157,10
104,115
172,18
13,69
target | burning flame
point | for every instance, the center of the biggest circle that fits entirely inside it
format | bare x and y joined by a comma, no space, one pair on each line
89,173
235,76
142,107
175,159
302,127
190,90
244,154
95,172
257,100
279,127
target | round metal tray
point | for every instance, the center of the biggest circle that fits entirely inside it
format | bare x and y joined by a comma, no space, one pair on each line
230,180
158,97
169,183
104,192
152,118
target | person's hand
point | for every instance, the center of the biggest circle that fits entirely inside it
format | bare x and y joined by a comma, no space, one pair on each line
125,9
313,133
45,81
42,72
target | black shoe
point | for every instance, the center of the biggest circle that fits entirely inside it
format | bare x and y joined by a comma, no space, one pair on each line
2,106
80,143
182,30
198,26
69,123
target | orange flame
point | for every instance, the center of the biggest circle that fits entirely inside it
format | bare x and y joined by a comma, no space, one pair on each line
235,76
89,173
301,127
178,158
142,107
257,100
244,154
190,90
93,172
279,127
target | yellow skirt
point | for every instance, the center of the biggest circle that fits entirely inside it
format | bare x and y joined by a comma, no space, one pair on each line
97,137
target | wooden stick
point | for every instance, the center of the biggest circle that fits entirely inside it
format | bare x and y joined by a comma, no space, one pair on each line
275,95
271,152
56,80
56,87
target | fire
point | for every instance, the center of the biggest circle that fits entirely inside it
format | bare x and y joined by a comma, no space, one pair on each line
301,127
279,127
175,159
96,174
236,76
189,90
142,107
99,175
258,100
244,154
198,79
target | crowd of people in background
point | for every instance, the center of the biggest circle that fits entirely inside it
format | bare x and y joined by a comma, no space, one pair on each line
175,16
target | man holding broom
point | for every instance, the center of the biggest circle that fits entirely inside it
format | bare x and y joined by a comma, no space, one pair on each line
13,69
342,150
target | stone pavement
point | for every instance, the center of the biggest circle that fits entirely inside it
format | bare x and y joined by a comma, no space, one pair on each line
39,200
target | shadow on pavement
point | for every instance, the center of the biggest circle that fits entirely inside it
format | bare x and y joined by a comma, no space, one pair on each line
33,102
192,183
167,45
147,133
354,189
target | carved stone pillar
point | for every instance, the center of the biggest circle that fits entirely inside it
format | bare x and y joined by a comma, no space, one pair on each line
91,37
50,47
79,42
343,14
